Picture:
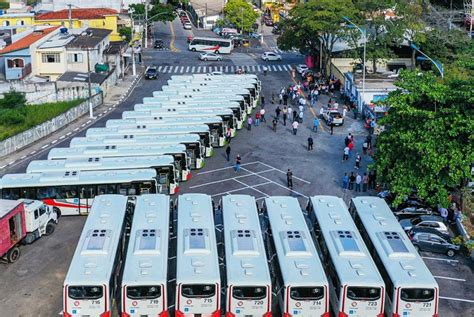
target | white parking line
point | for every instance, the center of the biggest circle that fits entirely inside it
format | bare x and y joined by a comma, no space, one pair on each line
159,68
449,278
439,259
457,299
75,129
68,134
230,179
192,69
91,120
44,146
283,172
225,168
2,167
182,69
11,162
199,69
242,188
187,69
23,157
258,68
62,137
54,141
279,68
32,152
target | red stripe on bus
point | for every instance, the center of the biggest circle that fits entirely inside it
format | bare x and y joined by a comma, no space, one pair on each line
54,203
230,298
343,297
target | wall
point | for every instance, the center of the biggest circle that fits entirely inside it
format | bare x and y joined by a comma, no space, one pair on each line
32,135
347,64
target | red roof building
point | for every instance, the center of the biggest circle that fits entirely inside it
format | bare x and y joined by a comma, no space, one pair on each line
26,41
77,14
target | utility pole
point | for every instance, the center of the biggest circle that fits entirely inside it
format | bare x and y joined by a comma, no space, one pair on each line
69,14
91,113
146,23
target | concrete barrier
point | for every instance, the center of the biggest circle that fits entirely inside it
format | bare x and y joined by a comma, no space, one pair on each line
32,135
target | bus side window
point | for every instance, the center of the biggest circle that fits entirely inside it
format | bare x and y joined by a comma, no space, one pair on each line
28,193
101,189
87,192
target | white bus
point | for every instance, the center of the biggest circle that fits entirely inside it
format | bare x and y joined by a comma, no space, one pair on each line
167,174
211,45
198,282
239,114
72,192
300,281
357,288
411,288
248,284
227,115
144,290
92,280
195,150
202,130
178,151
216,125
247,78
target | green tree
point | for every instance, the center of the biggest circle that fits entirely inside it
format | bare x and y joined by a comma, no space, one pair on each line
241,14
161,13
428,144
127,32
313,23
13,100
137,8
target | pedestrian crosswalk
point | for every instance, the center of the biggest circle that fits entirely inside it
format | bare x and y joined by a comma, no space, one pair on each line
225,69
279,51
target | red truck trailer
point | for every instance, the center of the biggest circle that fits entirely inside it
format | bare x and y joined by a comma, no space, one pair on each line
12,229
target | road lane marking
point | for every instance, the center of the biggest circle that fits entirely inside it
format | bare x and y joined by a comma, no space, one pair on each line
457,299
258,68
192,69
187,69
172,47
44,146
159,68
283,172
199,69
439,259
279,68
450,278
54,141
228,179
176,69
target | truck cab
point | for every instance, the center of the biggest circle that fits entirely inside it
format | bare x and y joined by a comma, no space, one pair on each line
40,219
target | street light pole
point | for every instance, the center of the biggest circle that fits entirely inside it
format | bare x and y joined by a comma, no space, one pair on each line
91,110
146,23
438,65
364,38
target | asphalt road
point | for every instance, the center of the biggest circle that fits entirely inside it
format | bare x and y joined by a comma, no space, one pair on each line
33,285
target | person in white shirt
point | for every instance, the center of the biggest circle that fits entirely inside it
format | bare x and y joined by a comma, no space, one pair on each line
321,112
262,115
295,127
344,112
345,156
358,181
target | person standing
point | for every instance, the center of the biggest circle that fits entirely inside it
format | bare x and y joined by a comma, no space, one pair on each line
358,181
357,161
321,113
257,119
352,179
285,99
364,147
345,181
345,156
443,212
295,127
274,124
262,98
228,134
331,125
295,115
285,114
280,97
310,143
290,111
238,161
351,147
315,125
227,153
300,117
277,112
365,182
273,98
262,115
249,123
289,179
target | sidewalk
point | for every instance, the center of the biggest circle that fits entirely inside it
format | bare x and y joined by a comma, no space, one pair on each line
115,95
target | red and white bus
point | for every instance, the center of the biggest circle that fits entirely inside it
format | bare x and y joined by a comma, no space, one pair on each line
211,45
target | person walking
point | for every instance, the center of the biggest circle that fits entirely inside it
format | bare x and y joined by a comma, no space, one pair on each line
345,156
249,123
310,143
285,99
285,114
300,117
365,182
262,99
315,125
351,147
227,153
371,180
262,115
289,179
357,161
257,119
280,97
321,113
273,98
277,112
290,112
345,181
274,124
364,147
358,181
295,115
295,127
228,134
331,125
352,179
238,161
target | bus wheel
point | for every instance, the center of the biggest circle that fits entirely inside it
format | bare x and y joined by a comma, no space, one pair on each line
216,51
193,49
57,211
13,254
49,228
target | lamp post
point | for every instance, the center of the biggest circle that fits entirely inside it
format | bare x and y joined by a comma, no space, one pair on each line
364,37
146,23
91,110
437,64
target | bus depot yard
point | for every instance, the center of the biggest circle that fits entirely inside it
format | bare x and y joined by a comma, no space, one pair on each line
122,158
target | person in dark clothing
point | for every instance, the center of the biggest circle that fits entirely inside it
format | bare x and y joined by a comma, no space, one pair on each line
331,125
285,99
285,116
310,143
289,179
274,124
277,112
295,115
263,101
227,152
352,179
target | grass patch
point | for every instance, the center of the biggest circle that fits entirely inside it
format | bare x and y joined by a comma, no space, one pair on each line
35,115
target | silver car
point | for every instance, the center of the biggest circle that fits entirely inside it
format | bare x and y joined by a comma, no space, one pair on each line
210,57
271,56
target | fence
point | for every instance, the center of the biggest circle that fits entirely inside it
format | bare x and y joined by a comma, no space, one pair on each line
32,135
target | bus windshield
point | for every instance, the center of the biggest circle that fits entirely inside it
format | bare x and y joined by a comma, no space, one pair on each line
198,290
143,292
307,293
363,293
249,292
417,294
85,292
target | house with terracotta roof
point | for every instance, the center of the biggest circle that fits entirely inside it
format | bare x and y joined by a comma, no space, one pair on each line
15,59
100,18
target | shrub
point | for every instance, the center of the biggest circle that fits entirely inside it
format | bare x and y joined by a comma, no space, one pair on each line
12,116
12,100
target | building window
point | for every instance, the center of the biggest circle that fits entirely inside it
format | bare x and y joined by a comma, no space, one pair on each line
16,63
50,58
20,22
75,58
6,23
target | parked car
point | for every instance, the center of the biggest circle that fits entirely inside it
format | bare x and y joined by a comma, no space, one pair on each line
425,240
434,222
271,56
151,72
187,26
412,212
158,44
337,118
210,57
301,68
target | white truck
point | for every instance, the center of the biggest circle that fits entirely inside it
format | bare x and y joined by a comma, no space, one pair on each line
40,219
